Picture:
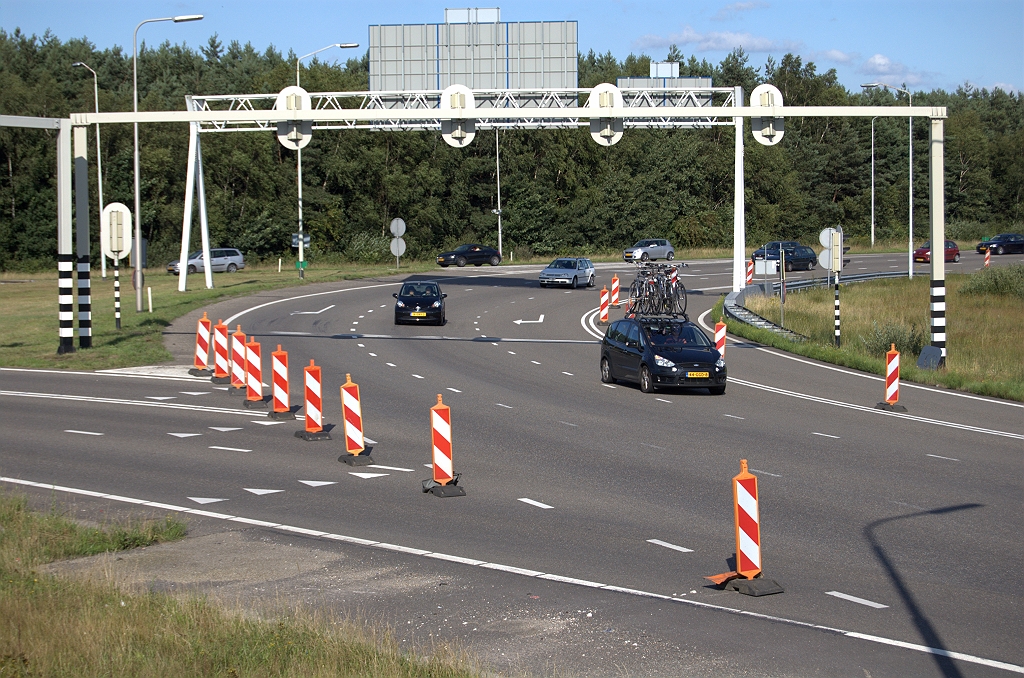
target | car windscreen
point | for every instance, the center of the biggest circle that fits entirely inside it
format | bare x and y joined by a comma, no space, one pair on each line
463,248
563,263
419,290
644,243
196,255
671,334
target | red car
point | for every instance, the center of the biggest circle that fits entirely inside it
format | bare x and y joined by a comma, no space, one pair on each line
924,252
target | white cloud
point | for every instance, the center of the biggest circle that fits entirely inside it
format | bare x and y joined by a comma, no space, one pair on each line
716,41
895,73
730,11
834,55
1005,86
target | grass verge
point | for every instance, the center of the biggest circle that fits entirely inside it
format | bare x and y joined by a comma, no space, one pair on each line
56,627
984,331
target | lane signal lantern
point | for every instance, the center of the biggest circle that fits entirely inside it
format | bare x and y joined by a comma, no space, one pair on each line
237,361
314,430
357,454
201,361
280,395
220,354
445,482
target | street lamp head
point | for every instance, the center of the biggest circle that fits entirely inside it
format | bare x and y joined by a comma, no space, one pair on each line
871,85
187,17
77,63
347,45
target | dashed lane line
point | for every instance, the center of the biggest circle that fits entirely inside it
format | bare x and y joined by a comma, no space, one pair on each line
83,433
733,416
938,457
974,659
507,407
534,502
229,449
773,475
454,390
824,435
855,599
667,545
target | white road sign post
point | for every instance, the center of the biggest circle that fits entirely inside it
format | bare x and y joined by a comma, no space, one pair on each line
397,243
116,243
296,135
831,258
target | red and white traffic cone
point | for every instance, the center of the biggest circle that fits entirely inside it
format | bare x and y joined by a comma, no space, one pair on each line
615,291
747,577
220,354
352,416
604,307
201,361
892,382
314,405
238,377
445,482
988,257
674,277
720,328
750,273
282,408
254,375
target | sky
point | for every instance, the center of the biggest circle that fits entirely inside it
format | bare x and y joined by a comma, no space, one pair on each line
933,44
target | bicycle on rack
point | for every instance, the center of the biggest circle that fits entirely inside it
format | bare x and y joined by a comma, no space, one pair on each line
657,290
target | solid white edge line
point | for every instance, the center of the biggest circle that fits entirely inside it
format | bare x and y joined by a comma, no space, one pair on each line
855,599
533,573
229,449
139,403
102,373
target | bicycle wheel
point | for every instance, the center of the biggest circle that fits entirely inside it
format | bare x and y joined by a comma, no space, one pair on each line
680,298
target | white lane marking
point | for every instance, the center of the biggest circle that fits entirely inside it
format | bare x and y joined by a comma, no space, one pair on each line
362,316
511,352
361,345
84,433
391,364
224,429
507,407
184,435
824,435
112,373
195,393
568,292
328,308
530,297
374,355
382,305
161,397
533,502
656,447
938,457
351,329
371,310
529,322
855,599
534,573
355,322
291,334
417,376
318,483
664,401
569,374
205,500
669,546
535,362
222,388
429,465
608,385
871,410
368,440
454,390
733,416
773,475
367,476
228,449
268,423
568,424
390,468
258,491
123,401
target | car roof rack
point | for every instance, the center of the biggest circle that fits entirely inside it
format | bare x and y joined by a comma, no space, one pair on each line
659,316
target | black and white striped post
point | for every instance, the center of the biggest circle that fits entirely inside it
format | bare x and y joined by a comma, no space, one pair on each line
117,295
65,257
837,309
82,237
937,301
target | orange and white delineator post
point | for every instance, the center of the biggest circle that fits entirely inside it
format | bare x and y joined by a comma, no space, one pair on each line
615,291
312,379
720,328
445,482
892,382
254,374
238,377
220,353
604,306
750,273
280,397
201,361
988,257
352,415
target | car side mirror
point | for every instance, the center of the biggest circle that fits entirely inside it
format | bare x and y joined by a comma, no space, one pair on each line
444,295
395,295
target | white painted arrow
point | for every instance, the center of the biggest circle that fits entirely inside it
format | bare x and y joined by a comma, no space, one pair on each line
313,312
522,322
367,476
256,490
205,500
318,483
184,435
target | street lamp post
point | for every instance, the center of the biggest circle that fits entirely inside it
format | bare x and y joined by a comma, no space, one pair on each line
910,142
298,157
873,182
497,166
99,162
137,276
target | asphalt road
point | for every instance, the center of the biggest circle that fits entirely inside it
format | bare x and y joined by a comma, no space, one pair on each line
894,536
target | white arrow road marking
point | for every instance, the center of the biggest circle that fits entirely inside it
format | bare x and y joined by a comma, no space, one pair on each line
367,476
268,423
195,393
318,483
161,397
532,502
855,599
205,500
84,433
669,546
524,322
390,468
313,312
228,449
225,429
259,491
184,435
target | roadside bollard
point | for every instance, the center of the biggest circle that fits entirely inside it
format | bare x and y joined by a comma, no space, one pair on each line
254,375
201,361
238,362
282,407
615,291
357,454
220,354
892,382
750,273
314,405
747,578
445,482
604,306
988,256
720,338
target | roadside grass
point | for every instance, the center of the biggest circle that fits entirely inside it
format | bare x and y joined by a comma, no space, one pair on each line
984,332
51,626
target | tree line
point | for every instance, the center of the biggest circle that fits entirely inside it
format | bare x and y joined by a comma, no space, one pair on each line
561,192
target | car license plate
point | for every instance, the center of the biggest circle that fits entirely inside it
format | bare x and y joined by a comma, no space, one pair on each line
418,314
697,375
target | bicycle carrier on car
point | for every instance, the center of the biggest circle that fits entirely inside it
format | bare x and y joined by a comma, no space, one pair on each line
657,291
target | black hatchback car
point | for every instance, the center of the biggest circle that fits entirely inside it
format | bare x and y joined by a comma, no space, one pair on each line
477,255
657,351
797,255
420,302
1004,243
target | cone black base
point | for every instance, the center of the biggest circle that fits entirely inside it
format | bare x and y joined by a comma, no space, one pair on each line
319,435
890,408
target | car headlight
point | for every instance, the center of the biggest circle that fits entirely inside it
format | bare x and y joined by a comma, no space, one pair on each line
436,304
720,364
663,362
399,304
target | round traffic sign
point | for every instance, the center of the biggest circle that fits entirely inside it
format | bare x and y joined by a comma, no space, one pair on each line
397,227
826,237
397,246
